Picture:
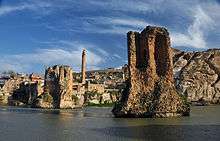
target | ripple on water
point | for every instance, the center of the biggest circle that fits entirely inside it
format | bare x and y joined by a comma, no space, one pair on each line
95,124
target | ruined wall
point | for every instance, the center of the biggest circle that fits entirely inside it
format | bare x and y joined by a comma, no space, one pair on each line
58,89
150,90
30,91
197,75
10,88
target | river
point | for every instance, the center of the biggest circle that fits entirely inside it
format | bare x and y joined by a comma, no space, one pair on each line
98,124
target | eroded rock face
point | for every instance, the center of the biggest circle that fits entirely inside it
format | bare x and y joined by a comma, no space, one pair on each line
10,89
58,89
197,75
150,88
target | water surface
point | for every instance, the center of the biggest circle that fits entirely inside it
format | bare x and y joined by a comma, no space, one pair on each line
94,124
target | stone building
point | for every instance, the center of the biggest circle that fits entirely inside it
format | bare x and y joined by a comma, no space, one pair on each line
36,78
150,91
93,91
100,88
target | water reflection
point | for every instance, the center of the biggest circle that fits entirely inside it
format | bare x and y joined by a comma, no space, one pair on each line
165,132
98,124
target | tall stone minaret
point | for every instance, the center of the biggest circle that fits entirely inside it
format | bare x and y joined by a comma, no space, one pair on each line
83,66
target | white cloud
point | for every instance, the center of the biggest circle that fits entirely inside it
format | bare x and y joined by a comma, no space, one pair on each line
117,56
202,13
8,9
110,25
212,8
112,30
202,17
124,5
129,22
34,6
47,57
195,36
119,21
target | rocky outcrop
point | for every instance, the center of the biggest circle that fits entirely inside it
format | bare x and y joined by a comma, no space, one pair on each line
197,75
150,89
11,88
28,92
58,89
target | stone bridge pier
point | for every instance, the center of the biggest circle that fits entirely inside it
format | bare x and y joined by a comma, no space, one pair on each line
150,90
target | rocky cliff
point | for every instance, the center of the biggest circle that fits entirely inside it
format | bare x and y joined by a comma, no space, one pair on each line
150,90
58,89
197,75
11,89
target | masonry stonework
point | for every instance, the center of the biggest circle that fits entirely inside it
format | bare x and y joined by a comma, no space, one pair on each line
58,89
83,66
150,89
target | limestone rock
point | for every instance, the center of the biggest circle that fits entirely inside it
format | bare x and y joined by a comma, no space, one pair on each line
10,88
150,90
58,89
197,75
106,98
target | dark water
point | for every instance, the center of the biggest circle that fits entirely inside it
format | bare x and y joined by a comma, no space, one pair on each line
97,124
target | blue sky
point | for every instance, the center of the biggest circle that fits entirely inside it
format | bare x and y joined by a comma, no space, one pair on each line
40,33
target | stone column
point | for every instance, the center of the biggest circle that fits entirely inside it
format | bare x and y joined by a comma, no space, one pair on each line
83,66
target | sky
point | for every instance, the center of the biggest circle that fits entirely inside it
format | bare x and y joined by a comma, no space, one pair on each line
35,34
